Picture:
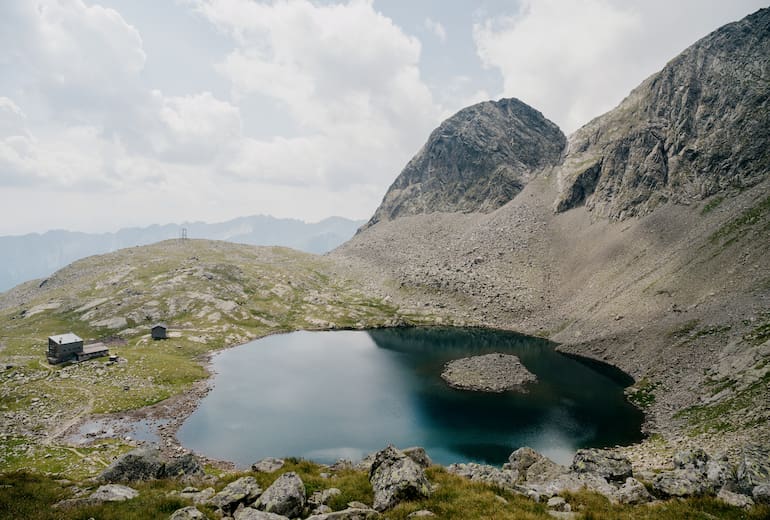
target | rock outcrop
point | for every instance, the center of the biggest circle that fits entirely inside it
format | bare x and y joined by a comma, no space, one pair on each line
243,491
396,477
698,126
148,463
488,373
286,496
477,160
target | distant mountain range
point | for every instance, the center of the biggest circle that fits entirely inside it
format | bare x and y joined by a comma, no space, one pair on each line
37,255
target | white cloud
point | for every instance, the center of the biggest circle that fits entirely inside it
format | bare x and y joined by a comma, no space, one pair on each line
347,76
436,29
576,60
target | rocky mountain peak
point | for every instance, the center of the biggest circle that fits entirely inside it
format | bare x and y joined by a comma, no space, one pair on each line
475,161
697,127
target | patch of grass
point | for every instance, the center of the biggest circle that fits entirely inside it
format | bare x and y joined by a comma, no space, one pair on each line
642,394
712,204
683,330
759,335
748,218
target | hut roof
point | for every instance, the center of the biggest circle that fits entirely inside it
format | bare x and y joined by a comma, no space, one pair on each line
63,339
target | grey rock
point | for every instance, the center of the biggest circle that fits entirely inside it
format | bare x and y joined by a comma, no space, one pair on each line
633,492
502,478
422,513
249,513
419,455
396,477
477,160
719,473
243,491
198,497
735,499
286,496
563,515
321,510
753,468
605,463
487,373
521,459
267,465
681,483
544,470
670,139
558,504
691,459
358,505
319,498
113,493
761,493
138,464
569,482
348,514
187,513
186,465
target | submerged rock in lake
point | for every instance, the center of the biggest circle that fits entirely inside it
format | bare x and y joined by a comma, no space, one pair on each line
488,373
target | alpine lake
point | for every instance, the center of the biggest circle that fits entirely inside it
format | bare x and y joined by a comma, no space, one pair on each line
343,394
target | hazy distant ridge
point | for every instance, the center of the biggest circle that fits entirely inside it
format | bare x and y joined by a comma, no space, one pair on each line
37,255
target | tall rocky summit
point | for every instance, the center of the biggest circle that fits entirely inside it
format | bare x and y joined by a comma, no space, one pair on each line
477,160
700,125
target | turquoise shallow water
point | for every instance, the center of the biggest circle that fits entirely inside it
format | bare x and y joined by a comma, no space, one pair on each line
343,394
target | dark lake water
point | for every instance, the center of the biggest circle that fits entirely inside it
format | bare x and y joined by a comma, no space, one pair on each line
330,395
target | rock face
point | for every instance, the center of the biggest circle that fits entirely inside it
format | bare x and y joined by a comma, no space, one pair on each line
477,160
244,491
698,126
396,477
286,496
487,373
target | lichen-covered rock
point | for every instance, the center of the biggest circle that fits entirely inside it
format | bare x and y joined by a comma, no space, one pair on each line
249,513
187,513
267,465
113,493
244,491
761,493
691,459
351,513
477,160
187,465
139,464
286,496
558,504
502,478
396,477
735,499
605,463
198,497
521,459
633,492
419,455
681,483
753,468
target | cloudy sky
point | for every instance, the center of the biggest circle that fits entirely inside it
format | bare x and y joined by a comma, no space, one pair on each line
117,113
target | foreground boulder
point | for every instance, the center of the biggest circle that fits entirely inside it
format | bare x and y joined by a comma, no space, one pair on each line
761,493
396,477
633,492
139,464
113,493
753,468
502,478
187,513
187,465
243,491
351,513
249,513
681,483
605,463
267,465
286,496
419,455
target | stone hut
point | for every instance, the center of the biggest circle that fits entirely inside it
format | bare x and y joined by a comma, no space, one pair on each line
159,331
64,347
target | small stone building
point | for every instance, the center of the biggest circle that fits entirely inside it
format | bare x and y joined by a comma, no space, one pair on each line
64,347
159,331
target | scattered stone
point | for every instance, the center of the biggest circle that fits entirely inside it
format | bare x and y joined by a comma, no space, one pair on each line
358,505
113,493
735,499
605,463
488,373
243,491
267,465
633,492
396,477
249,513
348,514
691,459
419,455
285,496
198,497
187,513
761,493
320,498
139,464
558,504
422,513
